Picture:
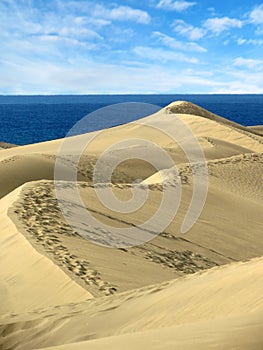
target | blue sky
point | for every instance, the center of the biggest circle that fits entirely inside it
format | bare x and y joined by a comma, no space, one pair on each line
131,46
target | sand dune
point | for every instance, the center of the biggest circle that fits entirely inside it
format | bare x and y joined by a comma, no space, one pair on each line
239,174
184,107
5,145
20,169
218,138
28,279
237,333
257,128
224,239
211,307
198,290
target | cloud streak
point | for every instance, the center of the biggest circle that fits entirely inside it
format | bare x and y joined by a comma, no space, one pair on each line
177,45
256,15
157,54
218,25
178,6
187,30
248,62
122,13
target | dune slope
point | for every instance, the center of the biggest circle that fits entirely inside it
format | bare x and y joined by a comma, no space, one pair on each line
29,280
211,304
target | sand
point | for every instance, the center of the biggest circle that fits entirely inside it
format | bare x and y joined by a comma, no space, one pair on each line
194,290
257,128
5,145
22,266
204,308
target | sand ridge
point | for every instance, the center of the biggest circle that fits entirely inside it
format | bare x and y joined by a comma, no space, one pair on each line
184,107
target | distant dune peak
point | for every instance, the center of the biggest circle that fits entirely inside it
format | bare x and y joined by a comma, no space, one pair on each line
6,145
185,107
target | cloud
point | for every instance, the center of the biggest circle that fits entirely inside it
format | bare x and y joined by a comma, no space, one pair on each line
178,6
95,22
213,25
237,81
256,18
157,54
241,41
178,45
91,77
256,15
212,11
120,35
187,30
248,62
53,42
256,42
79,32
217,25
238,87
95,9
37,21
122,13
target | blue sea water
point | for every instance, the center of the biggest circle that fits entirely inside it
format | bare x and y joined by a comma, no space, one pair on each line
30,119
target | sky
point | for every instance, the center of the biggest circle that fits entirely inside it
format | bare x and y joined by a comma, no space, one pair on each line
131,47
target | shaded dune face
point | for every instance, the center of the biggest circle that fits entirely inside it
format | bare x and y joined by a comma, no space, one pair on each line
17,170
67,286
257,128
5,145
20,169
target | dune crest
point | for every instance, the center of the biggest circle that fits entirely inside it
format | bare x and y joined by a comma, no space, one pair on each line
185,107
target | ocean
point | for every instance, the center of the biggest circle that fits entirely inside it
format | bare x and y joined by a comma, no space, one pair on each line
31,119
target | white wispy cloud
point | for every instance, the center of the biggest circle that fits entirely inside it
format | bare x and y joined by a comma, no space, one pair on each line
47,23
159,54
219,24
122,13
212,11
120,35
241,41
256,18
89,77
237,87
91,21
214,25
250,63
187,30
256,42
62,43
100,11
45,78
256,15
177,45
79,32
178,6
241,81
